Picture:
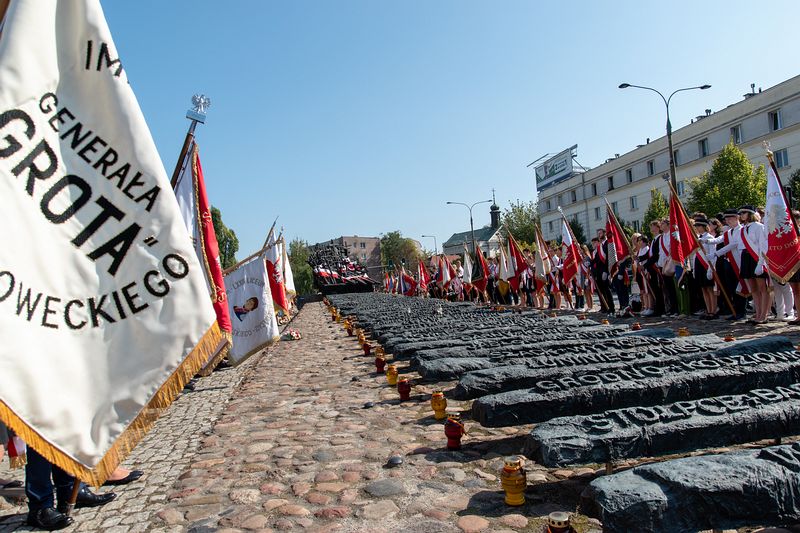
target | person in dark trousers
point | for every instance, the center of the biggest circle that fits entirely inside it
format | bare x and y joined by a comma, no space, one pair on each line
600,272
41,479
651,265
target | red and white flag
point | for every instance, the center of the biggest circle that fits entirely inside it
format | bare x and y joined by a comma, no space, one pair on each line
542,258
783,252
422,276
408,285
190,191
571,257
274,257
288,275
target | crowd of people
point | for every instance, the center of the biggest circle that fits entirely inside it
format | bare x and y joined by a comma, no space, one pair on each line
718,280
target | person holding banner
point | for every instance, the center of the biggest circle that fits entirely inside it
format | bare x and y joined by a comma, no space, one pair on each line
703,273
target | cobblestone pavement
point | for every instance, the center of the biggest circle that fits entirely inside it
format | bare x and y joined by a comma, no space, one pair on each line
287,442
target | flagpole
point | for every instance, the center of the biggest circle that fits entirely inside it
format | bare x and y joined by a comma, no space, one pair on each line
702,253
197,115
246,259
271,229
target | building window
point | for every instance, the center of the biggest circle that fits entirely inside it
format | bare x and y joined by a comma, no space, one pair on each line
681,188
363,245
736,134
634,203
573,196
611,183
597,213
675,157
594,189
782,158
775,121
363,257
550,226
702,147
636,226
547,205
629,175
614,207
651,168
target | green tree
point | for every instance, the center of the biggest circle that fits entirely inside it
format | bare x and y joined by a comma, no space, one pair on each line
794,184
658,209
732,182
577,230
226,238
301,270
395,249
521,220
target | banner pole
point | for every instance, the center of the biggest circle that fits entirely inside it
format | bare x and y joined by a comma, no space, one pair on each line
196,115
73,497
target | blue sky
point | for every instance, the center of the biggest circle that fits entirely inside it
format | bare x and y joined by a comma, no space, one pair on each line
364,116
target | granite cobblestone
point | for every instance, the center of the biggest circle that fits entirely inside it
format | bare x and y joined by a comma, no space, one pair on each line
284,443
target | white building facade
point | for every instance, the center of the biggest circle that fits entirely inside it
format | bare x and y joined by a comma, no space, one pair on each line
627,180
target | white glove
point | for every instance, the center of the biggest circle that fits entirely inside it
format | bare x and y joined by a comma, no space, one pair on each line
709,274
605,276
759,269
619,277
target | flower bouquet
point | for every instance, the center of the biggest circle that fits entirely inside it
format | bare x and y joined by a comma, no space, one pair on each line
291,335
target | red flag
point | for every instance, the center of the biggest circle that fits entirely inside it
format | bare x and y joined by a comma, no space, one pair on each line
480,272
682,240
615,236
422,275
783,252
190,190
516,261
571,257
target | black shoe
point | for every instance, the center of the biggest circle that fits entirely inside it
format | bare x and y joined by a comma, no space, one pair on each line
87,498
131,477
49,519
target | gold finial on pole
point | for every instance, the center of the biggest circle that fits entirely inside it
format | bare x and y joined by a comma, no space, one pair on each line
767,151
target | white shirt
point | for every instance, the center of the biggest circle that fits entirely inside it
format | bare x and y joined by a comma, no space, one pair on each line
756,235
663,250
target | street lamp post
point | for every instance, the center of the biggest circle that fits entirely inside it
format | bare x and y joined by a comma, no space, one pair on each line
471,226
435,246
673,175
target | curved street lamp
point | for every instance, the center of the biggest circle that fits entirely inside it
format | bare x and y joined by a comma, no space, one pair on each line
471,227
666,100
435,246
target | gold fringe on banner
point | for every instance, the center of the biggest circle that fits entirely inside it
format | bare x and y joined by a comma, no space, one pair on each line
210,343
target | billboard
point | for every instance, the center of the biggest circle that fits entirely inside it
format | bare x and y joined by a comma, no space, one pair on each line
557,167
